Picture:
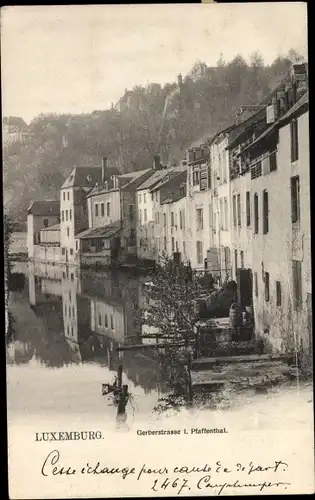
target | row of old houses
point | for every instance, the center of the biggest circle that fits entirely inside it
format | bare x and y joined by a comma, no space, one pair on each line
239,201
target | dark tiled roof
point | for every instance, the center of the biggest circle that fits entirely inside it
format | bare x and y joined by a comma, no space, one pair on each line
99,232
42,208
298,108
83,177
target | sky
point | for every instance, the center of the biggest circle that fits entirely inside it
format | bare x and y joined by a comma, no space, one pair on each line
76,59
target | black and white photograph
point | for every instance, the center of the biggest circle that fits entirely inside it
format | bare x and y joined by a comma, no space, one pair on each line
157,244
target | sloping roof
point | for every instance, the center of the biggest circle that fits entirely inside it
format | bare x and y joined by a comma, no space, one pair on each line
129,177
297,109
159,175
42,208
170,176
99,232
83,177
149,183
53,227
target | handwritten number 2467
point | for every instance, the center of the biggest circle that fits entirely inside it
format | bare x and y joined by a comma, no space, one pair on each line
177,483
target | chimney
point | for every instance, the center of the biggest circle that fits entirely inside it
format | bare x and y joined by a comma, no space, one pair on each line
104,164
156,163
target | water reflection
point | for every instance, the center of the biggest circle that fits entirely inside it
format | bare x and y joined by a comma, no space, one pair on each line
63,316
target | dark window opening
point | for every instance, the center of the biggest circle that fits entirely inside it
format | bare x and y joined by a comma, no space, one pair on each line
278,293
256,214
267,291
265,212
295,199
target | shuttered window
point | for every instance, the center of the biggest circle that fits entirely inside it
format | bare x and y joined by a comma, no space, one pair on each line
294,140
297,283
256,214
265,212
295,199
247,208
267,290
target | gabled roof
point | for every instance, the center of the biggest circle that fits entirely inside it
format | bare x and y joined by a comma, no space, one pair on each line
53,227
297,109
99,232
154,179
128,178
83,177
42,208
158,176
180,172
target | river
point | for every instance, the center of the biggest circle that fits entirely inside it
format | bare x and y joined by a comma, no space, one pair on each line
66,327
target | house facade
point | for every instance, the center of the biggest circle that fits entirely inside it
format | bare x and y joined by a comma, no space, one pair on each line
111,207
41,215
73,208
270,193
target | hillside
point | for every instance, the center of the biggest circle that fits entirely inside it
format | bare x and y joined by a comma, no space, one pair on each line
146,121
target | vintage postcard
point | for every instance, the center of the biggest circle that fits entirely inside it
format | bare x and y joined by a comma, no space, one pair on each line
157,247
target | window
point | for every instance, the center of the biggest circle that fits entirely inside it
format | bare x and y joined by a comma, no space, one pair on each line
256,284
173,244
152,196
145,215
235,260
145,197
70,214
165,243
77,245
177,247
62,216
172,219
294,140
64,196
273,161
68,232
297,283
199,214
99,320
181,220
267,292
265,212
106,321
157,196
199,252
242,259
226,225
45,222
295,199
234,211
139,198
196,178
102,209
66,215
71,251
184,248
131,213
164,220
278,293
112,322
96,210
68,196
108,209
63,251
247,208
72,276
239,215
140,216
256,214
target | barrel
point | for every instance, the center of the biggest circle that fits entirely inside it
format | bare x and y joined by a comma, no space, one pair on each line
235,315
